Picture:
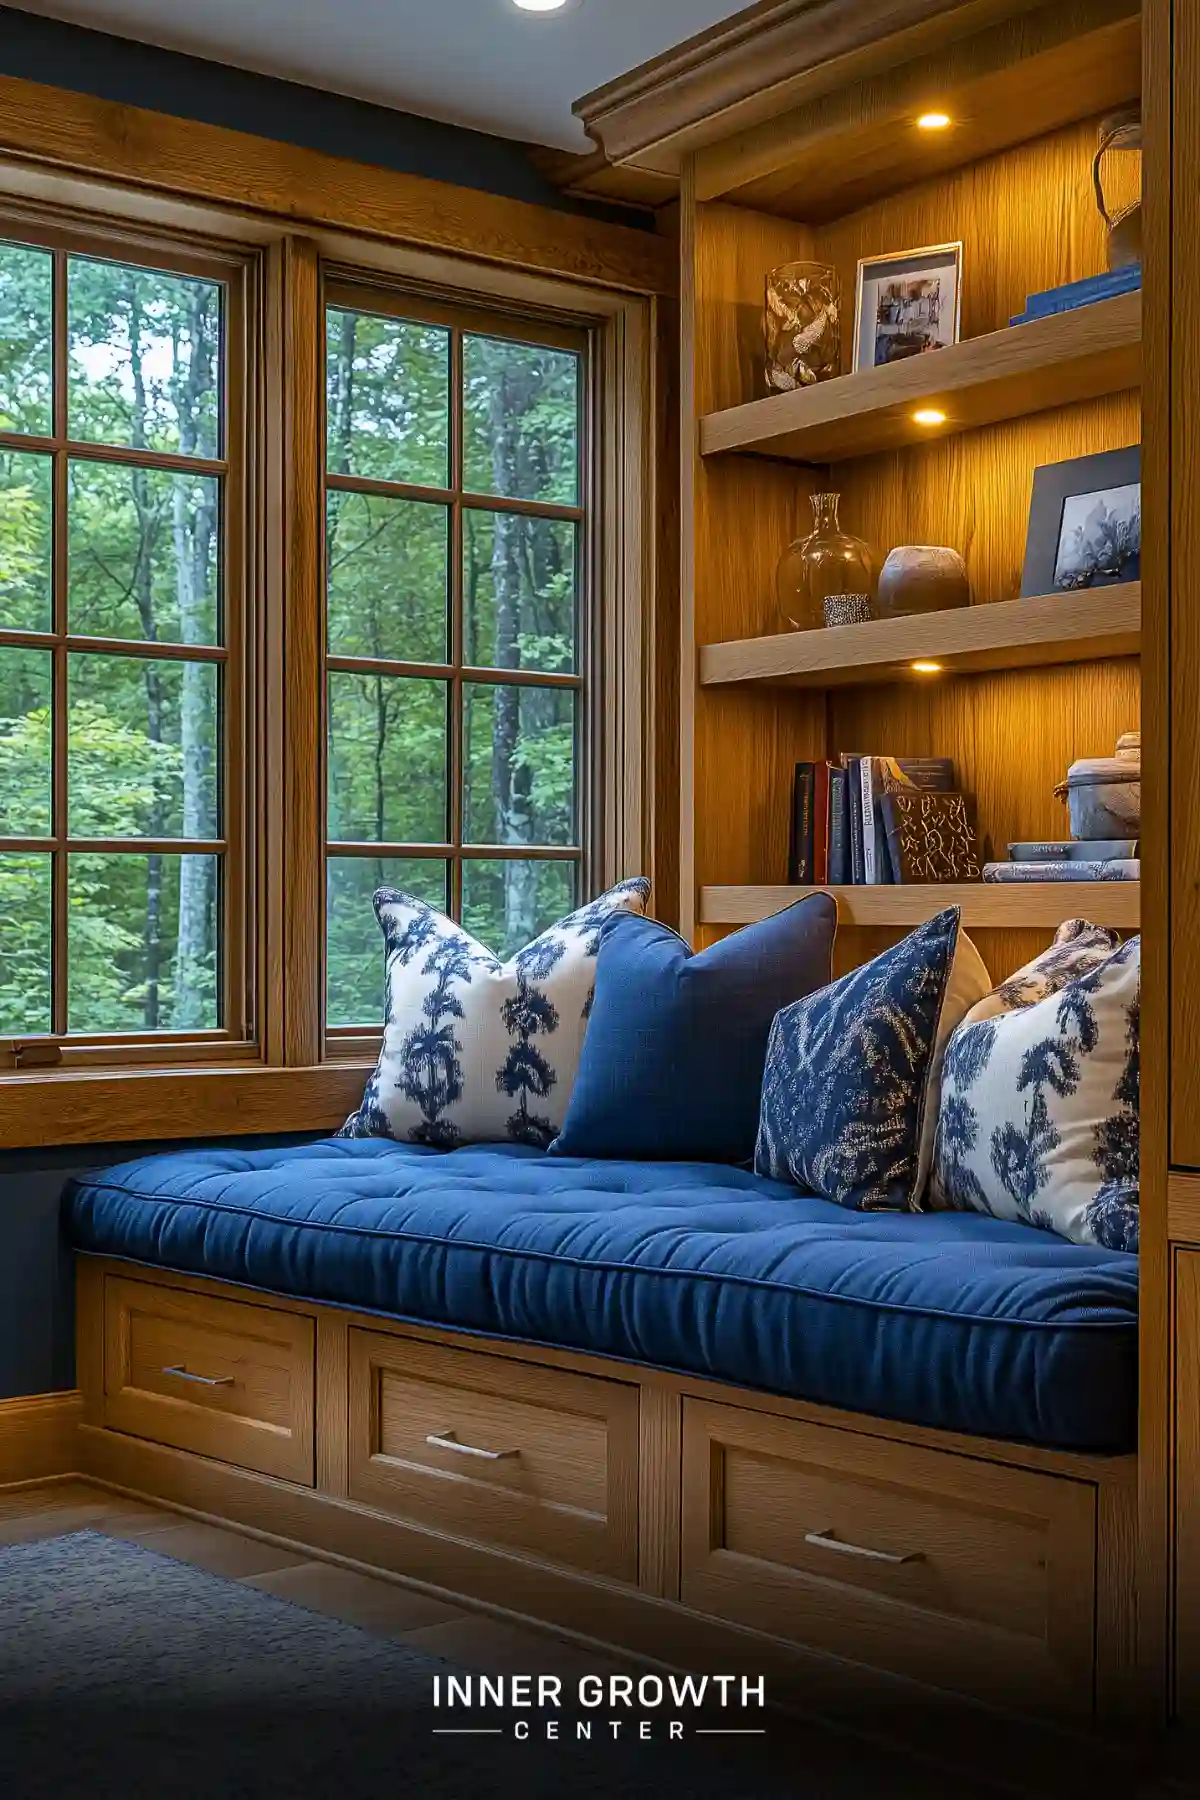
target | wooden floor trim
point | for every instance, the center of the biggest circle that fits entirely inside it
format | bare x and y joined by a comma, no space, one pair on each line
39,1437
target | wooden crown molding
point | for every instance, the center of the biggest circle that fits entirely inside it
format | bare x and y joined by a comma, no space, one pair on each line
260,177
771,56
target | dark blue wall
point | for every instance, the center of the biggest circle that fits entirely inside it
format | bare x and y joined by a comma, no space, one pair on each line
92,62
37,1297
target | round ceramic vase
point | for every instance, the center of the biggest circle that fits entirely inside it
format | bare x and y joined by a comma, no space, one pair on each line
921,578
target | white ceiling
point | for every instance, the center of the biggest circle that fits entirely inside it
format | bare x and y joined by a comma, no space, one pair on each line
481,63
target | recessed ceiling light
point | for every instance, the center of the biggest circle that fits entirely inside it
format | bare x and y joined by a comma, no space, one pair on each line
930,121
928,415
540,5
926,668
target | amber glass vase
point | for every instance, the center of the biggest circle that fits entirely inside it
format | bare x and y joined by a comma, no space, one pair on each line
828,577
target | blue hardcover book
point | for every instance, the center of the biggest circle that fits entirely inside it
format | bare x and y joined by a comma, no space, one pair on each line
1080,293
839,829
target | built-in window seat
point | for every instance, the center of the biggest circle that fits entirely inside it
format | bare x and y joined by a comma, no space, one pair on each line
653,1404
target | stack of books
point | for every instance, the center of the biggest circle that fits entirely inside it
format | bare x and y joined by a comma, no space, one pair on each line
871,820
1080,293
1072,859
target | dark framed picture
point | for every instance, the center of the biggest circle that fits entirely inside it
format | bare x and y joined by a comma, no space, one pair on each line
1085,523
907,304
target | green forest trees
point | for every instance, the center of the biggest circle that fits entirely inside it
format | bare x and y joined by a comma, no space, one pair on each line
391,409
142,732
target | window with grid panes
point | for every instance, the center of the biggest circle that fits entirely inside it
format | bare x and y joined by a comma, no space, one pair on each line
116,598
455,565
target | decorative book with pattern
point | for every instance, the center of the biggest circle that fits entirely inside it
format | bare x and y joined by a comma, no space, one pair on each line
931,837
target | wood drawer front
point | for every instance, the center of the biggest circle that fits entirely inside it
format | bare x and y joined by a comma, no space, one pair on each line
226,1379
559,1477
964,1574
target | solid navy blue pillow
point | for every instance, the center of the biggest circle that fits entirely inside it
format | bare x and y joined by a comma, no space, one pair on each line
672,1063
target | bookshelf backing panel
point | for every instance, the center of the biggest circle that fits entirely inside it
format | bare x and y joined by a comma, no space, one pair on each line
1013,246
972,491
745,745
1012,736
1023,77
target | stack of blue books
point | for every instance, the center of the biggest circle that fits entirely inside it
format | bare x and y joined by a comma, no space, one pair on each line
1081,293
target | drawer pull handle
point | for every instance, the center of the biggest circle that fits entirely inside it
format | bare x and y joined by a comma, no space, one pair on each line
446,1440
825,1540
182,1374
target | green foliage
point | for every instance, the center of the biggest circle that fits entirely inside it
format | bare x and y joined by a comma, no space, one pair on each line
142,732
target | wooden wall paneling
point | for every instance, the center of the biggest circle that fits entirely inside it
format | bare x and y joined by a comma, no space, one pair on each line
742,516
1169,205
1011,248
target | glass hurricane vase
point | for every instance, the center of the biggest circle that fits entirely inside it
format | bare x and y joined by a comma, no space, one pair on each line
828,577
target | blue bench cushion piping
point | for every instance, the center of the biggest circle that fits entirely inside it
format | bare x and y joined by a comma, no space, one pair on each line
950,1320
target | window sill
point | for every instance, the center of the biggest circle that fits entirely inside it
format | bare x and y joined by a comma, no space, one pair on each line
44,1107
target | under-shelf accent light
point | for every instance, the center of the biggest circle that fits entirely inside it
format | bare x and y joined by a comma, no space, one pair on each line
926,668
930,121
928,415
540,5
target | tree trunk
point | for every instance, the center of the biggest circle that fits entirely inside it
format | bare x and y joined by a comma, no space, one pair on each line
192,527
143,588
510,399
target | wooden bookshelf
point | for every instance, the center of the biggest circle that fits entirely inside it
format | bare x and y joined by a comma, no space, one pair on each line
985,905
1006,374
970,640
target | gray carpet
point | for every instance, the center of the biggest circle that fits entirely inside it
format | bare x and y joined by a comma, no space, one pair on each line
124,1672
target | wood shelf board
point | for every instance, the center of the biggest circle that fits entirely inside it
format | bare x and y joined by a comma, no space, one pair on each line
1019,79
1028,905
1005,634
1006,374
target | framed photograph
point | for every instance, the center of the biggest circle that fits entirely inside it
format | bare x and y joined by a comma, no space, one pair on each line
907,304
1085,523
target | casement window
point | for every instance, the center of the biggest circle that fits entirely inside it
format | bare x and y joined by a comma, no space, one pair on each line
329,554
457,588
123,765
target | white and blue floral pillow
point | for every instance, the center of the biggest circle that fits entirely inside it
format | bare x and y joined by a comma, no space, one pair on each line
1039,1112
476,1050
851,1089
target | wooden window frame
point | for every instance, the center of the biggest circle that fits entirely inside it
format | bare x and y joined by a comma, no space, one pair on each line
368,296
232,656
134,178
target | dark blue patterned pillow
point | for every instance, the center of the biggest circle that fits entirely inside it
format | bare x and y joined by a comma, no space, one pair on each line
850,1092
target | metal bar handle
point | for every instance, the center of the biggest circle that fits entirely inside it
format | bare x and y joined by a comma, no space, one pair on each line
446,1440
825,1540
182,1374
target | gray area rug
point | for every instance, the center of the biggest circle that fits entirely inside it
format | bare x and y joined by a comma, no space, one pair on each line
124,1672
